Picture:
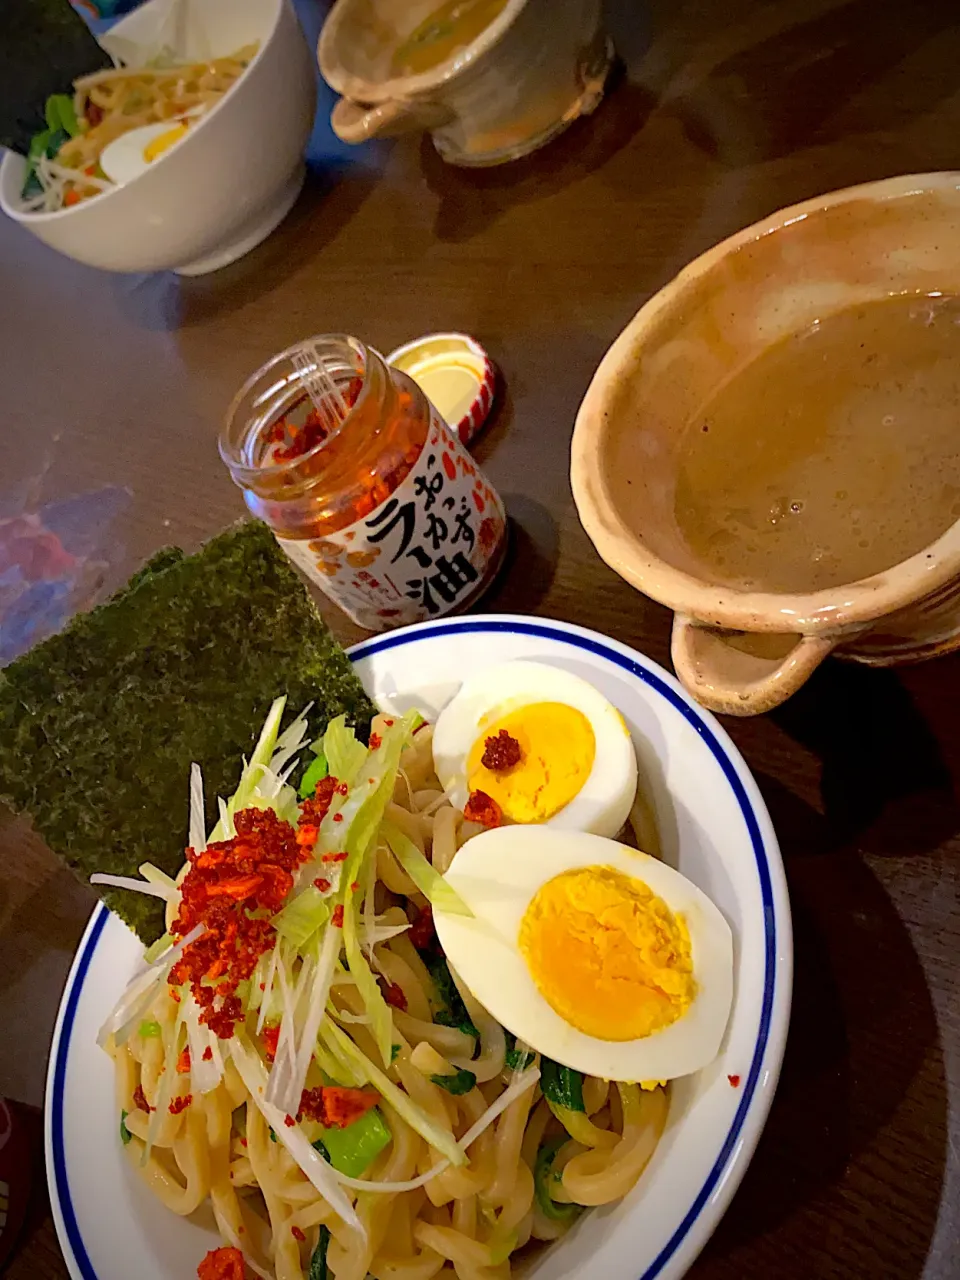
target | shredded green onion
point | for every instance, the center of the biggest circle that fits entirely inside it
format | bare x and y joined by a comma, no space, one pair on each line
430,882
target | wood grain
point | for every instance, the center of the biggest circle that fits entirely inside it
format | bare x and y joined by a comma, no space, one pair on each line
725,113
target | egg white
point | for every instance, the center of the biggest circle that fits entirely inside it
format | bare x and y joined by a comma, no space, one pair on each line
497,874
603,803
122,160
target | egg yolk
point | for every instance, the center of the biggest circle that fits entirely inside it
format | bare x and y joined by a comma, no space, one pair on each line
607,954
557,748
163,143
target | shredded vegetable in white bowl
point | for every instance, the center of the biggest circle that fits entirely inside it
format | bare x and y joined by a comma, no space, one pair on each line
310,1073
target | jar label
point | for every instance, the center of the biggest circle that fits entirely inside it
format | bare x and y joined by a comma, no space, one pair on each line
423,552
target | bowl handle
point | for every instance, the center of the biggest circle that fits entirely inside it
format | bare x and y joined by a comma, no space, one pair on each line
740,679
354,122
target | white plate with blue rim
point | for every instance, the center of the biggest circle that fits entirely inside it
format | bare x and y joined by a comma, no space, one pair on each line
710,823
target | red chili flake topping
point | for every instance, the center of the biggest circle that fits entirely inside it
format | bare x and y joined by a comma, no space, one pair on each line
232,888
375,741
334,857
289,1121
501,753
270,1035
388,723
343,789
174,996
208,1054
337,918
483,809
183,1062
243,1142
225,1263
336,1107
734,1081
180,1104
422,933
338,817
140,1099
313,812
354,887
393,994
297,1234
323,885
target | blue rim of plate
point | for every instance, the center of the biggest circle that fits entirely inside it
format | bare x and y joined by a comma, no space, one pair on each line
637,667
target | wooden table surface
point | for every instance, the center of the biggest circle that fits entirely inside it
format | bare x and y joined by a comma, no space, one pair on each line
727,111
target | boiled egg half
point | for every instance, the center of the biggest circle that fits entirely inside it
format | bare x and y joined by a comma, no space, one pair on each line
133,153
601,957
542,743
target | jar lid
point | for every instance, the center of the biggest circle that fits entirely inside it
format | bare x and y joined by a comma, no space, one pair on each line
455,374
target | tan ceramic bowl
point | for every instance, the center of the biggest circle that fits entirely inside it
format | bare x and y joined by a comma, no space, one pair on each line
744,652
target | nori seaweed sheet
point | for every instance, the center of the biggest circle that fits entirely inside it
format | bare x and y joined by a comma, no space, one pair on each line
44,46
99,725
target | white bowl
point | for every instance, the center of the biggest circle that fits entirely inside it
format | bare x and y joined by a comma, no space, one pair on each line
221,189
711,823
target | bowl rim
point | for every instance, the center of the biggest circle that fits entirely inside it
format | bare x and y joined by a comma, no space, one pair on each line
359,89
47,216
758,1085
821,612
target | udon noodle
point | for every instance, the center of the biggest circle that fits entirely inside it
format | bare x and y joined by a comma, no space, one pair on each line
467,1222
110,103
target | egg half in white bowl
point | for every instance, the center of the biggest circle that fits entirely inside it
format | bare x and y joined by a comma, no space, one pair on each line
224,185
542,744
599,956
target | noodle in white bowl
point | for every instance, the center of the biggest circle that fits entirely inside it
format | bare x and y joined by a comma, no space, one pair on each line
631,1235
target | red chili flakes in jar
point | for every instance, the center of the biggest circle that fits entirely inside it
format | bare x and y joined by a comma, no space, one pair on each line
231,889
180,1104
501,753
295,440
346,504
483,809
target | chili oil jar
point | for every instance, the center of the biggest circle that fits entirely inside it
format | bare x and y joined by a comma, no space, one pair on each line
365,487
